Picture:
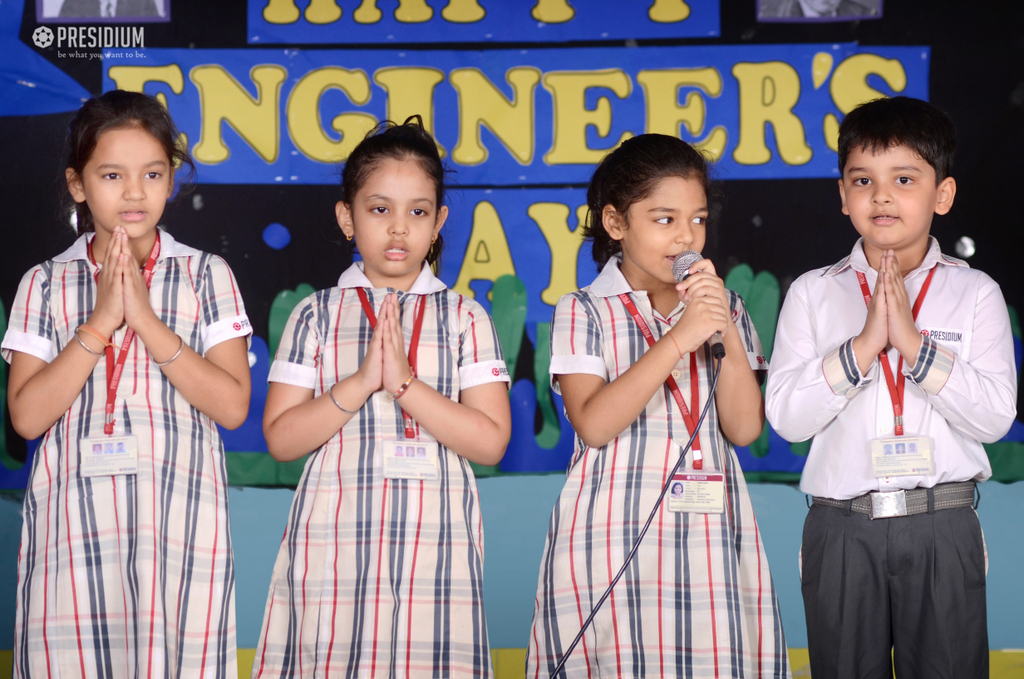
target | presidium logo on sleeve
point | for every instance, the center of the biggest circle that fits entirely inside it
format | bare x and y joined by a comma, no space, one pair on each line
944,335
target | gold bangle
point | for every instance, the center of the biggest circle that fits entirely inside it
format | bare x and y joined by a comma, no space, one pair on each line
86,346
95,333
677,345
404,388
171,359
330,392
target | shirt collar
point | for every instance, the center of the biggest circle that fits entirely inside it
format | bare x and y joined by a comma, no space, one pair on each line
425,283
858,261
611,283
168,248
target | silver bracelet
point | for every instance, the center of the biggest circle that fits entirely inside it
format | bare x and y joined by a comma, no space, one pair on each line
86,346
171,359
342,408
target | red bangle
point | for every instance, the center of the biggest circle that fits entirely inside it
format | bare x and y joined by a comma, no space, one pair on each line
404,388
95,333
677,345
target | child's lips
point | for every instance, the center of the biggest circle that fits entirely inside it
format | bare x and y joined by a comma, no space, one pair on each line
396,254
133,215
884,219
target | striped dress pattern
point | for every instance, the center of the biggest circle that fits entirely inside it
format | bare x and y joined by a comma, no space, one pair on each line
127,575
697,599
380,577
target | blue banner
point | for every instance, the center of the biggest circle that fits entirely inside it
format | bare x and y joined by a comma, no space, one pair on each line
517,117
478,21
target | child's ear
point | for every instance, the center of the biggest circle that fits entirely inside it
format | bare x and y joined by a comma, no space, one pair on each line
442,215
344,214
75,187
946,191
613,222
842,196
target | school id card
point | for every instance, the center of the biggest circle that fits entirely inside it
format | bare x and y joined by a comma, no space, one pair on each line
108,456
697,492
902,456
411,459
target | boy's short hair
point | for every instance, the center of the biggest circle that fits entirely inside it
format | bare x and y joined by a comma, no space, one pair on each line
900,121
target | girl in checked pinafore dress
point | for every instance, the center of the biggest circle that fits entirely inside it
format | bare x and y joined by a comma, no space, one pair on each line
697,600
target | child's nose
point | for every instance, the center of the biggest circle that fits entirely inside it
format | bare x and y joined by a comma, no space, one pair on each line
133,188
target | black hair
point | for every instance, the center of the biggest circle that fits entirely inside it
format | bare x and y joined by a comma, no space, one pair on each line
628,175
900,121
120,110
389,140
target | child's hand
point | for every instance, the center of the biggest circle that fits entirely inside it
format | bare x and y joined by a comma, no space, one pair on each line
369,373
396,363
903,333
109,312
703,281
704,316
137,309
875,336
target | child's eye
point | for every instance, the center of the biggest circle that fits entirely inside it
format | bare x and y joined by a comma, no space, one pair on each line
153,175
111,175
903,180
861,181
700,220
379,210
663,220
419,212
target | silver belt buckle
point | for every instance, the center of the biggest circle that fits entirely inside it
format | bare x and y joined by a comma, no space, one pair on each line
888,504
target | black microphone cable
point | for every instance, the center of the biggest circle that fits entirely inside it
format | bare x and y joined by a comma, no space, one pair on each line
650,519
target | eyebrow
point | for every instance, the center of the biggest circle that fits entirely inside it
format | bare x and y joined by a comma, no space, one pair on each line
898,168
118,166
380,196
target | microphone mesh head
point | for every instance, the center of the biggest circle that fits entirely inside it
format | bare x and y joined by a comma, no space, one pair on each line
683,262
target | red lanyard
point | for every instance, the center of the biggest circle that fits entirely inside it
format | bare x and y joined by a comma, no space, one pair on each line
114,370
896,387
411,430
691,423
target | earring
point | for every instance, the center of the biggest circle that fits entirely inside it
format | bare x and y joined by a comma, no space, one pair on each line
348,236
433,240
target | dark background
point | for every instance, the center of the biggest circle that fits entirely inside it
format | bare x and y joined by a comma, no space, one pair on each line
783,226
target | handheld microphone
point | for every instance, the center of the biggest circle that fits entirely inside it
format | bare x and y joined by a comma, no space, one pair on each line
681,271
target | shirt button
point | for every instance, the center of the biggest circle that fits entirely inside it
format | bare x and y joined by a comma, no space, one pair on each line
676,374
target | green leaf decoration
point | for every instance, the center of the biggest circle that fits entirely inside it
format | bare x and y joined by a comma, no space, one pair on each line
281,309
508,311
550,431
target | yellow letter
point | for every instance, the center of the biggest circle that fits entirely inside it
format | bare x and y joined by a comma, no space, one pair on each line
134,78
768,93
323,12
664,114
305,125
463,11
410,92
223,99
668,11
481,103
281,12
408,12
553,11
564,243
849,87
572,117
487,255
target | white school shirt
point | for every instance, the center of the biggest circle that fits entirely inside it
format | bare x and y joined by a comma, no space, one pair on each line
961,392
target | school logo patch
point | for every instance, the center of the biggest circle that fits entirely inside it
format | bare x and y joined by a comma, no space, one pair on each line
238,325
499,371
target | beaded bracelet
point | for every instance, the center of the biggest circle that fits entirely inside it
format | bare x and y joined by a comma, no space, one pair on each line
404,388
171,359
342,408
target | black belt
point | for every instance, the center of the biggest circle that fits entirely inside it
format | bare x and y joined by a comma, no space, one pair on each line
887,504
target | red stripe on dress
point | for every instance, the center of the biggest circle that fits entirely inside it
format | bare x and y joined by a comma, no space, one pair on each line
760,593
28,300
380,559
611,489
412,576
156,551
572,560
337,511
41,449
213,570
124,596
661,542
711,592
67,500
266,630
572,327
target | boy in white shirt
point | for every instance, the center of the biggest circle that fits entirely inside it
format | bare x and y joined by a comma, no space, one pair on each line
868,360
